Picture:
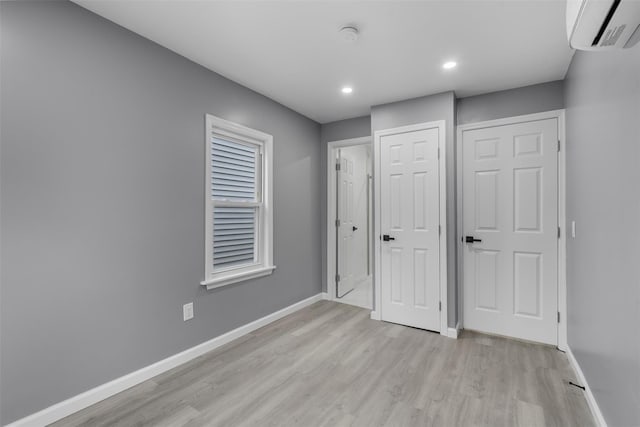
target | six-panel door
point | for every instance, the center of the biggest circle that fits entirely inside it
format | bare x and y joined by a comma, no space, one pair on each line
410,206
510,203
345,230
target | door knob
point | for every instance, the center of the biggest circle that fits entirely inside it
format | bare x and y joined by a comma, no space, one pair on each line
355,228
386,237
471,239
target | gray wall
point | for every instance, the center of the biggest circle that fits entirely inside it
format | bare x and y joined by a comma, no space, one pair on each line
335,131
426,109
102,210
512,102
603,157
345,129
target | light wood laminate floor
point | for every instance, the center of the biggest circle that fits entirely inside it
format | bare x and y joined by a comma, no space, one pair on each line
361,295
330,365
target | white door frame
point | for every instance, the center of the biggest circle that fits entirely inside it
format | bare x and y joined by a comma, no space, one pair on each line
442,171
562,242
331,208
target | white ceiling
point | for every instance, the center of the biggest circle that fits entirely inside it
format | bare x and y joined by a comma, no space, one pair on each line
291,51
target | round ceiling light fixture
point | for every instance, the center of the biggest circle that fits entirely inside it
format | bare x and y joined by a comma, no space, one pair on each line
349,33
346,90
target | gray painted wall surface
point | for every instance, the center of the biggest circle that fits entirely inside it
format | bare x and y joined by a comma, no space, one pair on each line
335,131
102,220
512,102
345,129
426,109
603,174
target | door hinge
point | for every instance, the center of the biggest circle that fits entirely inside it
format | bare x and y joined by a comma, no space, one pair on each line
338,166
558,145
439,230
438,152
337,277
439,305
558,232
337,223
558,317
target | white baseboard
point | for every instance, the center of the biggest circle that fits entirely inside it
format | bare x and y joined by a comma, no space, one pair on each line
325,296
95,395
591,400
375,315
453,332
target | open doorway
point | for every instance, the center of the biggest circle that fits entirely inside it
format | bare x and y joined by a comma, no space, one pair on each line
350,223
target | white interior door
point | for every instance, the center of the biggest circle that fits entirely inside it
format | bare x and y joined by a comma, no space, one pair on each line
410,215
345,279
510,209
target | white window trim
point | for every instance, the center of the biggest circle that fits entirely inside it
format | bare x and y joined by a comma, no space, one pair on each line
265,265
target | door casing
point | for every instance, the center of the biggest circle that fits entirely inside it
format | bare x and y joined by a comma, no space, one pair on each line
562,268
440,125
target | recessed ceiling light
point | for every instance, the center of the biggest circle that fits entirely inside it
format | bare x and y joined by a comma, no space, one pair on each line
449,65
347,89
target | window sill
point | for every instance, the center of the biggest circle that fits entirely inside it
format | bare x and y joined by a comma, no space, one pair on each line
230,278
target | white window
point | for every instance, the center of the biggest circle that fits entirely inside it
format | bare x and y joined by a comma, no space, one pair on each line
238,203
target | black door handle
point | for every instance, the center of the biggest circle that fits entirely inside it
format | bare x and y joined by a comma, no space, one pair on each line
355,228
471,239
386,237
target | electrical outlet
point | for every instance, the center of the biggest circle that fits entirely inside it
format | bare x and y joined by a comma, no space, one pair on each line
187,311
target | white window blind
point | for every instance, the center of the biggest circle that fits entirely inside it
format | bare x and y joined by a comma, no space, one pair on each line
238,201
234,182
234,168
234,239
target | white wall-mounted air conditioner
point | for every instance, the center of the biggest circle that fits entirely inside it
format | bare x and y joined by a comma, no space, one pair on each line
603,24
